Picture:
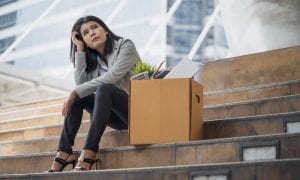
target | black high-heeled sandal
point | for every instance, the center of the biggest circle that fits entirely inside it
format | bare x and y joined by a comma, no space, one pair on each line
64,163
86,160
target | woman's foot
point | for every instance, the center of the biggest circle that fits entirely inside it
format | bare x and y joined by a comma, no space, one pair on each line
62,160
86,160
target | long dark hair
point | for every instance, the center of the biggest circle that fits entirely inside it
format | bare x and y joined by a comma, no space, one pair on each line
91,54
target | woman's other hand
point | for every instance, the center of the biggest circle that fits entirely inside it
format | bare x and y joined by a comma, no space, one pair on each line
68,103
78,42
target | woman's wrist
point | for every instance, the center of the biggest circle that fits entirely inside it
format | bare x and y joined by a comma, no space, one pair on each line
79,49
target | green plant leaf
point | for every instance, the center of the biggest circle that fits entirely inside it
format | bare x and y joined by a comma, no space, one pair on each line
142,66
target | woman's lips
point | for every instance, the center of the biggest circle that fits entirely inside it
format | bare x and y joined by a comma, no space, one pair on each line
95,39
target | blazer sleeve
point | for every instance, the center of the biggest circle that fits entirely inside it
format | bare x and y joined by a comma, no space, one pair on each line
126,59
80,74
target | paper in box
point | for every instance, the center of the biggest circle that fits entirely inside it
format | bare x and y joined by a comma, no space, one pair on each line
165,110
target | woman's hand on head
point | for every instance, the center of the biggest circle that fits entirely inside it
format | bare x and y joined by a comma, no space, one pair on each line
79,43
68,103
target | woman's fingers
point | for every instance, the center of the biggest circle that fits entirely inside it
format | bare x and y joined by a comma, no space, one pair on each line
78,42
74,38
68,103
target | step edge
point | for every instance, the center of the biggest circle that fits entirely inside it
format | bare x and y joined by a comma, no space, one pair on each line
206,141
176,144
162,168
54,137
258,86
29,118
32,102
254,117
251,101
29,109
36,127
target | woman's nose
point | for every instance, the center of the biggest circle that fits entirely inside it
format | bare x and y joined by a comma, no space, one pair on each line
92,33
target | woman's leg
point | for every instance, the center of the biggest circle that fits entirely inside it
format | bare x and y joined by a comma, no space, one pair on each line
108,98
71,125
72,122
110,108
116,122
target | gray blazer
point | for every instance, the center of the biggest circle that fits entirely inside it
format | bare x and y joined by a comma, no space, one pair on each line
120,66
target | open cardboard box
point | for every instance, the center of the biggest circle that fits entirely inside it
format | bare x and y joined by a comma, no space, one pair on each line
165,110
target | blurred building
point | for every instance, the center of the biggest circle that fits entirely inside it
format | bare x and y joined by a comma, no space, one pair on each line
186,25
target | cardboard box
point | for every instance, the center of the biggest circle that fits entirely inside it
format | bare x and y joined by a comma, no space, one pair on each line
165,110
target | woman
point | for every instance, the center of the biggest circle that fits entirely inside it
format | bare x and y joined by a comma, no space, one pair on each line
103,63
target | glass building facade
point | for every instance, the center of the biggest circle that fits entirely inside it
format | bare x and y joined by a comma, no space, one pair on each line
7,21
186,25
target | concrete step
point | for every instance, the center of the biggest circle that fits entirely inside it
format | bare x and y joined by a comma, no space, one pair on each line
31,105
110,138
32,121
267,106
263,170
280,146
248,108
214,97
35,121
223,128
38,131
210,98
252,125
30,112
255,92
254,69
254,107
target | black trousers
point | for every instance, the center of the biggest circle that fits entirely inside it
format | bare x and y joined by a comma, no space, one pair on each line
108,107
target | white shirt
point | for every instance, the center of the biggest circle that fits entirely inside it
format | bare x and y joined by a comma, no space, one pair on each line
103,67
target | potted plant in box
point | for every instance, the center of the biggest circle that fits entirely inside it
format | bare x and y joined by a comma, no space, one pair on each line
143,70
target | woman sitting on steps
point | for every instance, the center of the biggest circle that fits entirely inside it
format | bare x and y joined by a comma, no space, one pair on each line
103,63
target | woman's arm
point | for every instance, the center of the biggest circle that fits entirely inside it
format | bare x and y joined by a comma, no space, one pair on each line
80,74
126,59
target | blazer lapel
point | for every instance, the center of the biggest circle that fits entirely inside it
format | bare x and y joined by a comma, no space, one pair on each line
112,57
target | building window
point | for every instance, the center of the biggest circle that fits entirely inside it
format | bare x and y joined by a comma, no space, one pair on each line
8,20
190,13
5,2
184,40
4,43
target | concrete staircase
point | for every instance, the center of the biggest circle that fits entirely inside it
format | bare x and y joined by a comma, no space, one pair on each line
251,130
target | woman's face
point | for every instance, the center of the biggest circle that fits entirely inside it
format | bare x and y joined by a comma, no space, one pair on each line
93,34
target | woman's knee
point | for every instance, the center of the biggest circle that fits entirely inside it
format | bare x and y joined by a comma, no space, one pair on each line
104,88
77,101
